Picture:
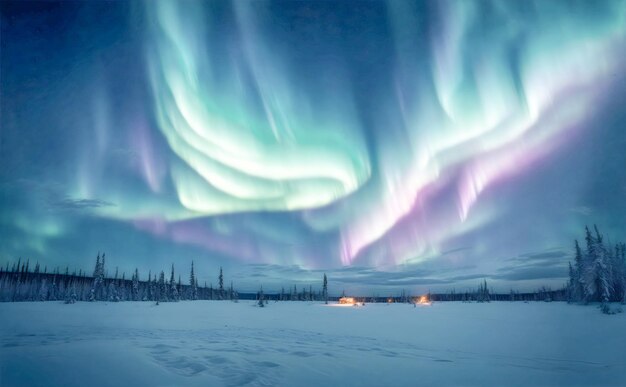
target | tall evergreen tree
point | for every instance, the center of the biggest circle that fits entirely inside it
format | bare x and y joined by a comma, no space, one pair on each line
193,284
113,292
150,289
221,283
173,294
43,290
597,275
261,298
162,288
135,293
576,279
98,280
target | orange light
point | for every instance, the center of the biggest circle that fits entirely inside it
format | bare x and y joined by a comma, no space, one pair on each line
347,300
422,300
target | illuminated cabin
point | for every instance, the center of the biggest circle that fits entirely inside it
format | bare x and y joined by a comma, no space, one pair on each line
347,300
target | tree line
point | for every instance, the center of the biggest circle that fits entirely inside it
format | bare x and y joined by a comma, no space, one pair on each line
21,282
482,293
598,274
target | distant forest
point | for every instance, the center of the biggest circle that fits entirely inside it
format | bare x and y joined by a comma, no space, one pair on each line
597,275
21,282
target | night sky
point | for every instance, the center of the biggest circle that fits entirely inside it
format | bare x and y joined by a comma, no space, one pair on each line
393,145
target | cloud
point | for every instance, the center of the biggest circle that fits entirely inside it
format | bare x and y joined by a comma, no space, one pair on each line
409,275
543,256
380,279
470,277
80,204
531,273
549,264
458,249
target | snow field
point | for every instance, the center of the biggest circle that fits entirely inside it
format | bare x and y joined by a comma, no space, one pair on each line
221,343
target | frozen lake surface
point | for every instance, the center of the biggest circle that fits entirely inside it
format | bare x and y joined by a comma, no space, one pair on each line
221,343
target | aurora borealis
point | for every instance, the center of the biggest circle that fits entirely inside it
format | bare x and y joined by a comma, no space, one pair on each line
391,144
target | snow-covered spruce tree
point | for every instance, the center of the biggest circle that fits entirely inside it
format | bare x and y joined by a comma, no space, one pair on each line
261,298
193,287
113,292
325,289
221,284
596,275
598,272
103,274
43,290
588,274
53,292
148,291
577,273
571,284
235,296
135,292
618,274
173,292
70,296
122,288
162,288
98,280
73,293
487,294
483,292
94,287
155,289
576,280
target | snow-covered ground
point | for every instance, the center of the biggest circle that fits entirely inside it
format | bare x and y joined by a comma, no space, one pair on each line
213,343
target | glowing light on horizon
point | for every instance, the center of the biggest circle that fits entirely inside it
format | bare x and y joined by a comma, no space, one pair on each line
422,301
